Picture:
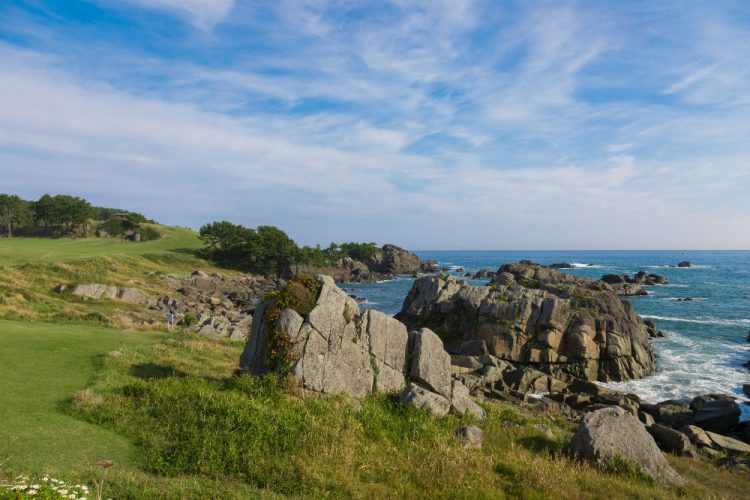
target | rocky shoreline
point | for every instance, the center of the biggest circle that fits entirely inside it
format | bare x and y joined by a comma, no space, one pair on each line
337,349
532,337
387,263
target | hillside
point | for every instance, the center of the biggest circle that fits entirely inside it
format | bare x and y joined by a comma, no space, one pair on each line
24,250
170,411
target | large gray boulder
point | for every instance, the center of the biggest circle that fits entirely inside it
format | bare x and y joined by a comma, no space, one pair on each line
335,348
715,412
431,365
612,432
419,397
95,291
566,326
462,403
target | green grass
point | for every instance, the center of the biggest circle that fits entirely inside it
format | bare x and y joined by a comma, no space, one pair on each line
23,250
42,365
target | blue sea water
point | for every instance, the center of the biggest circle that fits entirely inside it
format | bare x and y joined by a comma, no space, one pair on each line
706,338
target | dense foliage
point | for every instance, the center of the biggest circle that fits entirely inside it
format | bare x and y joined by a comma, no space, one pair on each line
65,214
268,249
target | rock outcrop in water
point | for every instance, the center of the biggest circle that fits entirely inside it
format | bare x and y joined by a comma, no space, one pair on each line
626,285
386,263
563,325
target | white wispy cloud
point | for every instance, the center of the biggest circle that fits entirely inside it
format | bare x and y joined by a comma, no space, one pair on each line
204,14
432,124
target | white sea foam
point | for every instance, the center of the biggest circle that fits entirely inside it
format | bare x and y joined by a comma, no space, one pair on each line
690,367
682,299
580,264
700,321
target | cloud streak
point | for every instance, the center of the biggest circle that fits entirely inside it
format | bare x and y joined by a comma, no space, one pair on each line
432,124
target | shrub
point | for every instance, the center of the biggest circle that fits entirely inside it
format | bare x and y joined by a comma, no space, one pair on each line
149,233
189,319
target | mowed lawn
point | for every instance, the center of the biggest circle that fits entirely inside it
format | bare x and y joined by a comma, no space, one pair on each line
22,250
41,366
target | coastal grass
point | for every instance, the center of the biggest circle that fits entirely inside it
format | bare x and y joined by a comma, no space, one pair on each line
42,365
191,416
22,250
26,290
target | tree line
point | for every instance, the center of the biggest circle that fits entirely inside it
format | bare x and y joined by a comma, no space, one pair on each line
268,249
53,215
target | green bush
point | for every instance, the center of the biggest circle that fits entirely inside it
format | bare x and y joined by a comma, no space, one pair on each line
149,233
189,319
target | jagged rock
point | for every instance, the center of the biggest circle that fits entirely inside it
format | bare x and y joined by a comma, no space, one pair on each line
473,348
209,332
647,419
337,349
653,331
561,265
746,389
431,365
725,443
612,432
671,440
531,381
388,342
434,404
428,266
394,260
95,291
462,404
134,296
566,326
470,436
715,412
483,274
698,436
671,413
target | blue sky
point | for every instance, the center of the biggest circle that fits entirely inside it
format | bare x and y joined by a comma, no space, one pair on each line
433,124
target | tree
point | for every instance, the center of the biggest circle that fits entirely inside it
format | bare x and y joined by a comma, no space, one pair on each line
12,212
69,211
273,250
43,210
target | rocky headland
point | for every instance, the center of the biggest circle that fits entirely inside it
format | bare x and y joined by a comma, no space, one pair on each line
387,263
563,325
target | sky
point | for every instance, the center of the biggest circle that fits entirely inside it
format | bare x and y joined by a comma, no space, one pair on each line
432,124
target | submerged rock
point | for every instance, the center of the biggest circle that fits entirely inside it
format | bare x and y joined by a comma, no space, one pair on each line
566,326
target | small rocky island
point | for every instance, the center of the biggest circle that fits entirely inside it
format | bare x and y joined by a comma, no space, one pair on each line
387,263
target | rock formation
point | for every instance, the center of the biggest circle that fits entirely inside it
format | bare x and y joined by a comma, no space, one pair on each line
626,285
335,349
386,263
685,263
563,325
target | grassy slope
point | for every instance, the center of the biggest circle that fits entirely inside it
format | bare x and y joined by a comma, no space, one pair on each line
22,250
42,365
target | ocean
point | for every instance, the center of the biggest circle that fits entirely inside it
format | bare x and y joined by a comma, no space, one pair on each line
706,338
